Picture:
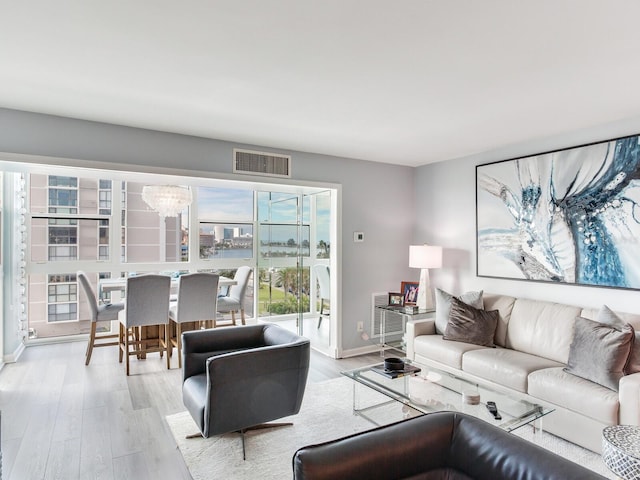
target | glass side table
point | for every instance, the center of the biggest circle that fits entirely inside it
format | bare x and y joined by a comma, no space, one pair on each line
388,310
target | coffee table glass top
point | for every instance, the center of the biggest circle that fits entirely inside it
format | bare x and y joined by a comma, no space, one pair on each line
433,390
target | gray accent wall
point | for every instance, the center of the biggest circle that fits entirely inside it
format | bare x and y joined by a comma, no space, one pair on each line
445,212
377,198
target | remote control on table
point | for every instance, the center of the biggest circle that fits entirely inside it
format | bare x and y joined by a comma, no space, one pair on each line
491,406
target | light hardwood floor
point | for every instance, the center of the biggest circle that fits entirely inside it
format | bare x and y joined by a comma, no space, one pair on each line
62,420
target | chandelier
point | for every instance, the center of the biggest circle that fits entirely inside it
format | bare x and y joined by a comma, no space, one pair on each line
167,200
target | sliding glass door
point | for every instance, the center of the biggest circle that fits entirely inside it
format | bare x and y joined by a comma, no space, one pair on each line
294,249
283,253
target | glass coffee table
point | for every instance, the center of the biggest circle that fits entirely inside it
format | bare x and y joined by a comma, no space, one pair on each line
433,390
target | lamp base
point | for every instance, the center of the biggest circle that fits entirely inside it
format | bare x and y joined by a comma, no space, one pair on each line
425,298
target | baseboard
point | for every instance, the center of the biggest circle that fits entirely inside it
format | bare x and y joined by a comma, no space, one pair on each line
354,352
13,357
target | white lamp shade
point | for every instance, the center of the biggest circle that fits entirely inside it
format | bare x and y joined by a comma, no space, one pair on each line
425,256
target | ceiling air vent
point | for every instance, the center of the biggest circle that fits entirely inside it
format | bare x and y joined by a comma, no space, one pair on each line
261,163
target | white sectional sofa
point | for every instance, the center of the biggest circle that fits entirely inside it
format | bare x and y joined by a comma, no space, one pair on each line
533,340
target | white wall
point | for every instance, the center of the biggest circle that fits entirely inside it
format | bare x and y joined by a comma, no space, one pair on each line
445,202
377,198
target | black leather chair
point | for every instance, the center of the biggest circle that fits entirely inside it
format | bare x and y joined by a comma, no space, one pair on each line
238,378
438,446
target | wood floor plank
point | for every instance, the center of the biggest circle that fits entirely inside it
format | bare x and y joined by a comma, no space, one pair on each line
31,459
68,424
64,460
132,466
123,434
96,460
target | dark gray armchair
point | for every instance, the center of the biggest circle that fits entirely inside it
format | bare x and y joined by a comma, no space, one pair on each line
236,378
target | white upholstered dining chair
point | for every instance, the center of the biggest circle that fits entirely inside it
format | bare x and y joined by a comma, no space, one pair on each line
234,300
322,274
196,303
99,313
146,304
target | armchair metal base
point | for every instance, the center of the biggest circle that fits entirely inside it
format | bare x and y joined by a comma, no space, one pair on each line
261,426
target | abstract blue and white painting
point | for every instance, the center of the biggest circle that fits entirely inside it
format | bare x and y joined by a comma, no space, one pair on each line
569,216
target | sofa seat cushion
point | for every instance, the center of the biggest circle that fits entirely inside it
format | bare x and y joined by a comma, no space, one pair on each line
504,367
574,393
434,347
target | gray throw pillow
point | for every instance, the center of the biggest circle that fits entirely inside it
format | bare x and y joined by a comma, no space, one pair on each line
471,325
599,352
606,315
443,306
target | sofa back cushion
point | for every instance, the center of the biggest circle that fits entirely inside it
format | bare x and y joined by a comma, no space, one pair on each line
540,328
634,320
504,305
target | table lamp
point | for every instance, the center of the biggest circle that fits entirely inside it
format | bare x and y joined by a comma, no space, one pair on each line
425,257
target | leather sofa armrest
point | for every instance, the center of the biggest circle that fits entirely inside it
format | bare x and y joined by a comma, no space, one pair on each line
629,395
426,326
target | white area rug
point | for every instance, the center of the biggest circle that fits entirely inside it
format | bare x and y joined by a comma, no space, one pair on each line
326,414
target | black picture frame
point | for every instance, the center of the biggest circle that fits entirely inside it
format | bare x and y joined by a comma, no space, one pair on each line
396,299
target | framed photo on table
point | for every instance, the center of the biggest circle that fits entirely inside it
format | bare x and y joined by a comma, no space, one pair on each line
409,292
396,299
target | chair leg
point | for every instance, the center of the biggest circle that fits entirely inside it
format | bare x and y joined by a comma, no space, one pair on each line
120,342
242,316
126,346
167,344
179,343
233,317
92,339
321,312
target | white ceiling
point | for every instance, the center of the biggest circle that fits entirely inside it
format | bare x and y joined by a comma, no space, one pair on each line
408,81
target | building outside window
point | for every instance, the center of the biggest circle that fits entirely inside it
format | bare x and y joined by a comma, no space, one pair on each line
62,298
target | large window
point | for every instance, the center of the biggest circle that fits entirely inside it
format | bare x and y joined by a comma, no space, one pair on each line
86,219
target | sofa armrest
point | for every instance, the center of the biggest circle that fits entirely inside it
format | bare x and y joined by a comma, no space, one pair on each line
629,395
426,326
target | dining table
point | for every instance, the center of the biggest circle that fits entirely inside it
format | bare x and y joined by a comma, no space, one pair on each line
116,285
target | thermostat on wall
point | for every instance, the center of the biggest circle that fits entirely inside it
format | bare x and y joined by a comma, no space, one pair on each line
358,236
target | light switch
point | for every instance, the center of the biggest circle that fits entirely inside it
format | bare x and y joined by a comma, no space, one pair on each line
358,236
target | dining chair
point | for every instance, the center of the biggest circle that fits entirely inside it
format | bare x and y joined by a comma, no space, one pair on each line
146,305
234,300
322,274
99,313
196,303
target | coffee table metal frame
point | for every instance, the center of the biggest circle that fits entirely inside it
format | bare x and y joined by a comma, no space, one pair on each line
434,390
